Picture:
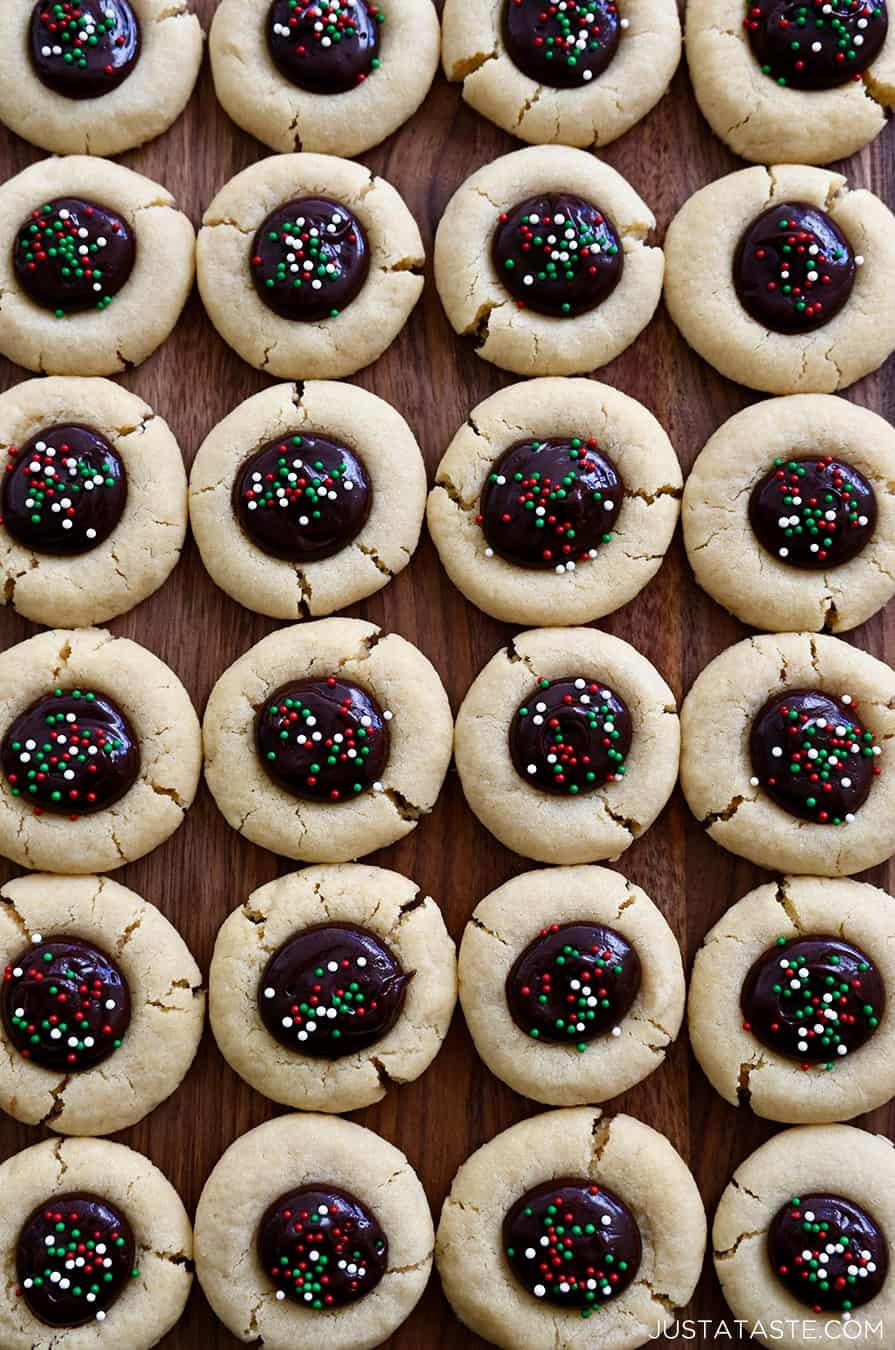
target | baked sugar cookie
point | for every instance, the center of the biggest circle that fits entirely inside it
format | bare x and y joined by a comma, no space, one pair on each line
774,278
635,1249
555,502
578,75
327,740
783,754
92,504
102,1007
131,1287
809,83
788,514
336,78
100,751
309,266
368,962
97,77
789,1005
567,745
96,263
571,984
828,1190
345,1177
594,283
307,498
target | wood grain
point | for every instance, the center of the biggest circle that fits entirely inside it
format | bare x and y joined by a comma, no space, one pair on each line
434,379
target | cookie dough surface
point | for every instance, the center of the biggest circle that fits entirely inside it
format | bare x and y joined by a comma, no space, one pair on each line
140,553
280,1156
384,903
831,1159
563,829
762,120
651,479
389,453
634,1161
717,775
328,348
262,101
401,681
167,1004
734,1059
149,1306
589,115
142,314
727,558
167,730
501,927
478,304
700,246
142,107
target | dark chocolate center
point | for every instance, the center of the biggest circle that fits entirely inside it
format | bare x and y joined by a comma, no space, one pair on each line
570,736
83,48
811,755
794,268
322,1247
563,43
65,1004
303,497
573,983
331,990
309,259
72,752
324,46
828,1252
64,491
557,254
572,1243
75,1254
550,503
813,513
816,44
814,999
71,255
323,740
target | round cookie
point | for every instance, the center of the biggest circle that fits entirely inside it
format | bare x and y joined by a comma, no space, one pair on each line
789,1001
571,984
525,555
812,92
547,323
843,1178
60,317
615,1171
123,1020
546,75
336,85
258,241
93,502
538,791
754,725
788,514
344,1168
124,788
387,968
148,1241
774,276
98,81
302,447
395,722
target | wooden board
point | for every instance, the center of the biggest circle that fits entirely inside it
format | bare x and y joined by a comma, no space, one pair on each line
434,379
